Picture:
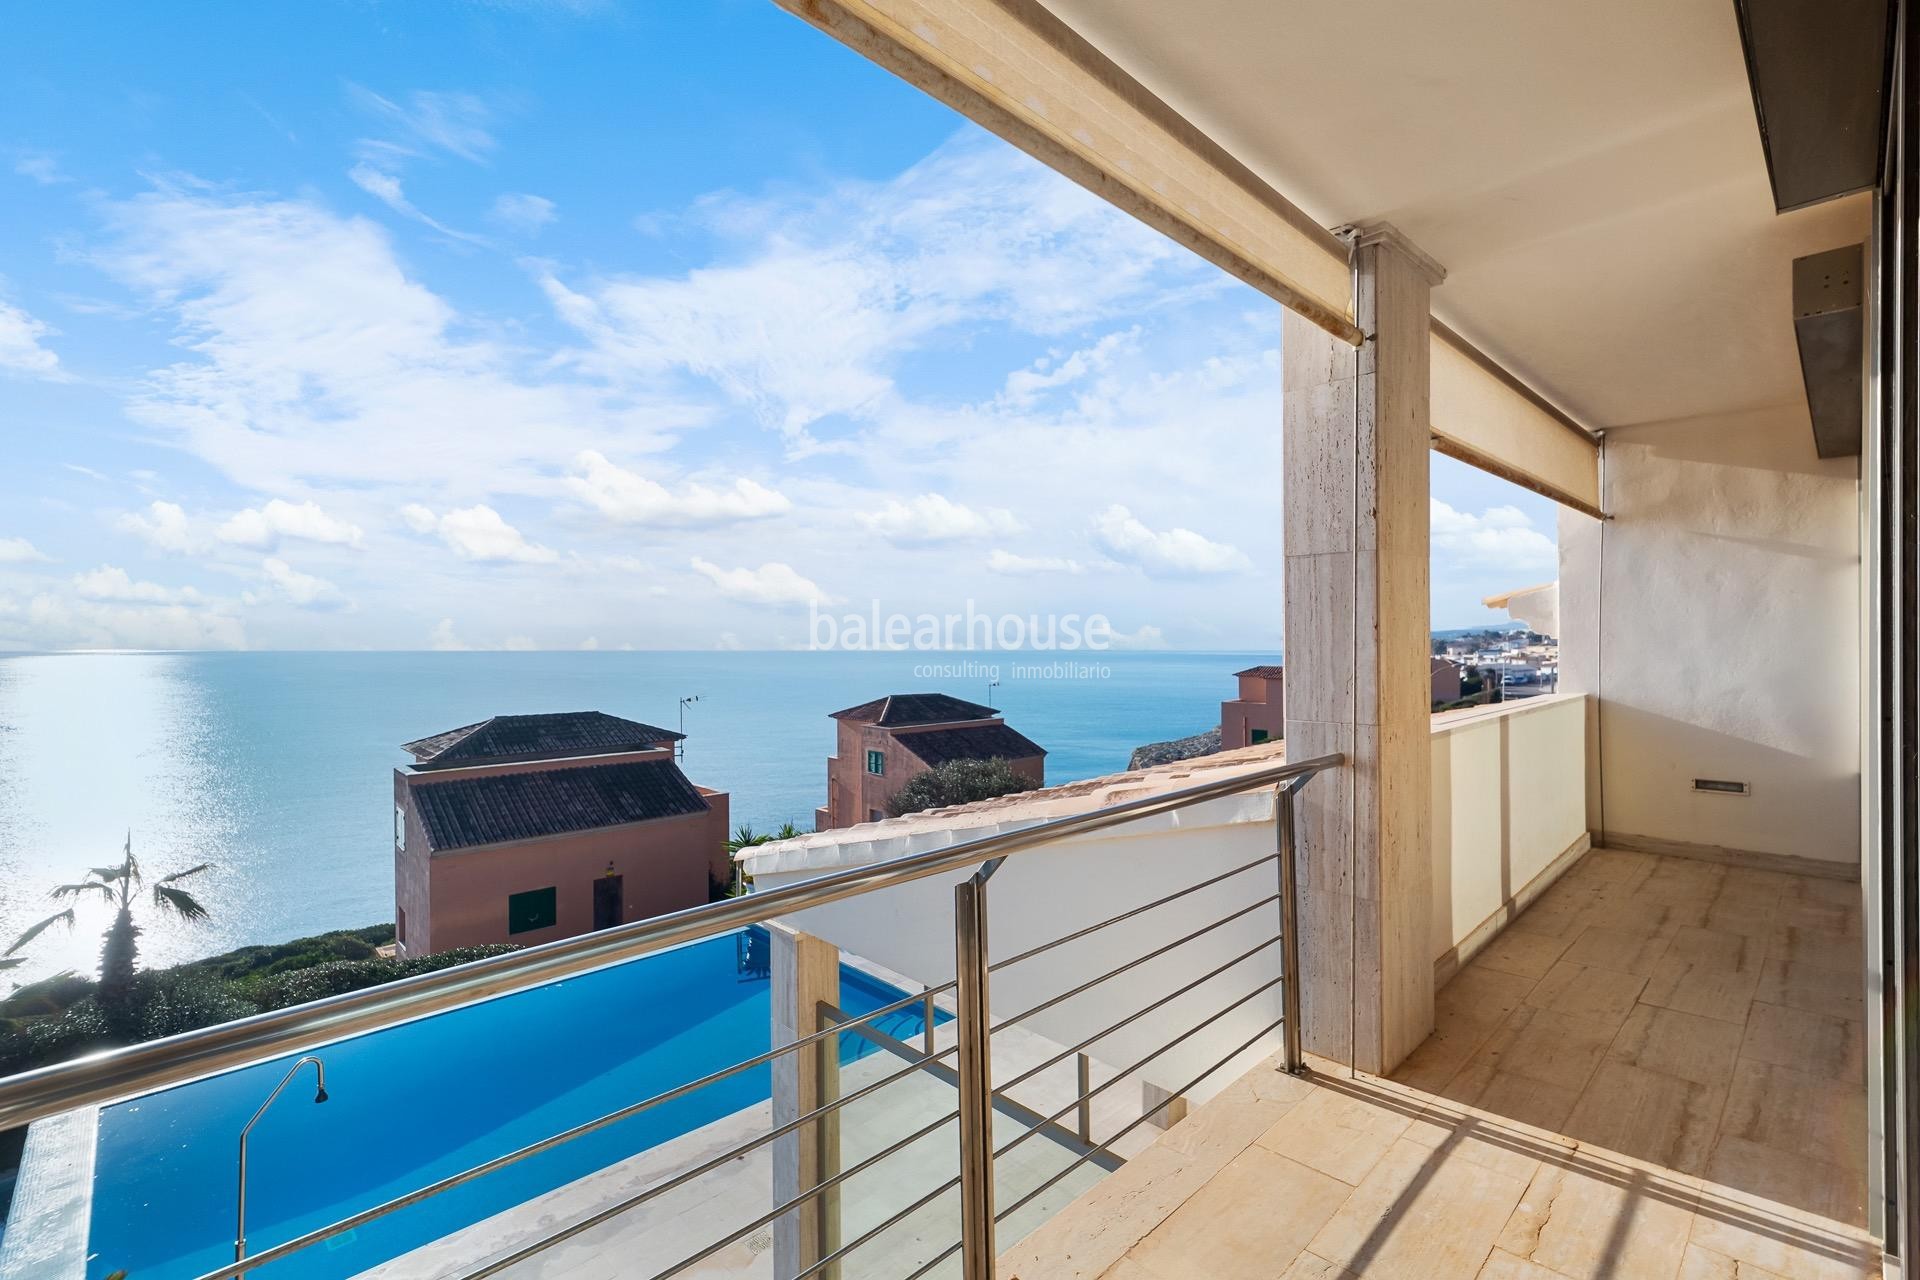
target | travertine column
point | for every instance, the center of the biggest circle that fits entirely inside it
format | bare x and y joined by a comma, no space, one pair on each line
1357,649
806,973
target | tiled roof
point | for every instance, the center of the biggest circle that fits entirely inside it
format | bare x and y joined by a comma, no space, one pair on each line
1269,671
560,733
494,808
915,708
976,742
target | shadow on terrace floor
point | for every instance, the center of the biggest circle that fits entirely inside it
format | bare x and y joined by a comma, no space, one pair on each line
1650,1074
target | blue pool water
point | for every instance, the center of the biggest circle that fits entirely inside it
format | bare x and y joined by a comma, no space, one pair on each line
422,1101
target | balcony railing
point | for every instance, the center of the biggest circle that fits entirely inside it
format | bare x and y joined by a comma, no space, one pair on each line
968,1079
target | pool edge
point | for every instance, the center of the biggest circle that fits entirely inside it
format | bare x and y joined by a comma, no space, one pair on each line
52,1214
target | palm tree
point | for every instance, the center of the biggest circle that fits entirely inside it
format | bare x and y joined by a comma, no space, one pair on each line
116,885
745,837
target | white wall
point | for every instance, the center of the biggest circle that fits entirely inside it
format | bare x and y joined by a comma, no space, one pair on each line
1716,619
1045,894
1509,796
1508,799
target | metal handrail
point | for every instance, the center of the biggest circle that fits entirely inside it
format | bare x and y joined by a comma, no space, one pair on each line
160,1064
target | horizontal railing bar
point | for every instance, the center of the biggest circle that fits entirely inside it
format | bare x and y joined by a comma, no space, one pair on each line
1078,934
572,1230
680,1179
159,1064
1182,1038
800,1199
1135,963
234,1270
937,1259
1003,1102
1136,1015
890,1223
1167,1101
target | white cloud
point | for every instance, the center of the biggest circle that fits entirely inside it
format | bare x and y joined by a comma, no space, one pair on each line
772,583
40,167
164,526
1013,565
1499,538
20,551
1024,386
21,350
289,584
452,122
631,498
61,623
518,211
278,519
444,640
310,355
385,187
934,518
1174,553
110,582
1142,637
825,295
477,533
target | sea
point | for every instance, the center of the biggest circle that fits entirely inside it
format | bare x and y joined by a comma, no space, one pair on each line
277,767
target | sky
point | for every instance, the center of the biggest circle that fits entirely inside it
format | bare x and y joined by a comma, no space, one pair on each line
497,325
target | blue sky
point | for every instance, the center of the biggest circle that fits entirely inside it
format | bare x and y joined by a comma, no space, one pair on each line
496,325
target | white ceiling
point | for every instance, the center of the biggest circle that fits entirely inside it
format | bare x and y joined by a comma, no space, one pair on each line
1590,174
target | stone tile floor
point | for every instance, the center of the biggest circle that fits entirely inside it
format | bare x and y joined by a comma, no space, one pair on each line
1656,1071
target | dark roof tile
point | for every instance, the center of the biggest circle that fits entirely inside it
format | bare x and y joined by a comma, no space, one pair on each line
977,742
915,708
561,733
493,808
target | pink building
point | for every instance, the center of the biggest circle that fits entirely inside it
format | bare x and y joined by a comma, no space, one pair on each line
883,743
530,828
1259,714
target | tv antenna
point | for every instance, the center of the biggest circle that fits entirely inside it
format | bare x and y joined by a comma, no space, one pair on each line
680,747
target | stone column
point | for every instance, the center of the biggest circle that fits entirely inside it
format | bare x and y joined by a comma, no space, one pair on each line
806,973
1356,512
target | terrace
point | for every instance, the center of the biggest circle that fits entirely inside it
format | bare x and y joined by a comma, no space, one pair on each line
1597,984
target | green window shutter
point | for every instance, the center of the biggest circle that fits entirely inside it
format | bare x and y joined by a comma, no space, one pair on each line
534,909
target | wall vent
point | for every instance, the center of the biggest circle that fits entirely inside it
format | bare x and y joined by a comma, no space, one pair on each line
1722,786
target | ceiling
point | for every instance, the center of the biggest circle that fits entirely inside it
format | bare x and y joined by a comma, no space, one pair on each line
1590,175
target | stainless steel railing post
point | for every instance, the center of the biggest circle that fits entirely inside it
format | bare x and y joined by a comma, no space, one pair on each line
976,1078
1289,928
1083,1090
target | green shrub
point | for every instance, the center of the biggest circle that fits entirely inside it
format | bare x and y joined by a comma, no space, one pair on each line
317,982
47,996
59,1018
166,1002
958,782
80,1029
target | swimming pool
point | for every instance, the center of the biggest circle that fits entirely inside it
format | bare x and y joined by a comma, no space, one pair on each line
425,1100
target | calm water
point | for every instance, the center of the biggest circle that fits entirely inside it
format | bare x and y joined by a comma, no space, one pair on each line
278,767
419,1102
